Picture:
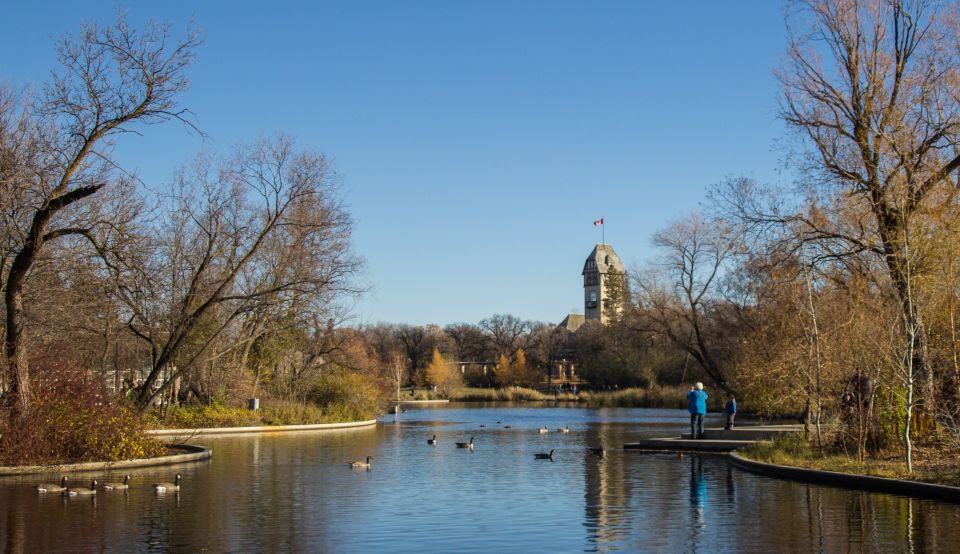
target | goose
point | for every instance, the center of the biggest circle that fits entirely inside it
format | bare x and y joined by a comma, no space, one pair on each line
50,487
598,451
543,430
83,491
563,429
433,441
361,465
466,444
508,426
118,486
544,456
165,487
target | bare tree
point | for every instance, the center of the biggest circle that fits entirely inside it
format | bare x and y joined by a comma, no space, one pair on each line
60,150
683,298
507,333
874,88
263,230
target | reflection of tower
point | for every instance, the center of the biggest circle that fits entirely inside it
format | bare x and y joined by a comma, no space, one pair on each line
602,283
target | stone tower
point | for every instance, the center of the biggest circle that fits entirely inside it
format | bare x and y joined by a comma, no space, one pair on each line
602,271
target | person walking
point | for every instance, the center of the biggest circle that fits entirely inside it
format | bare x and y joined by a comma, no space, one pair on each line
697,407
731,411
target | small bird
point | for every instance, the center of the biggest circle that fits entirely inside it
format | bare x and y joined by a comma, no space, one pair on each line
433,441
82,491
118,486
466,444
50,487
563,429
598,451
543,430
361,465
168,487
544,456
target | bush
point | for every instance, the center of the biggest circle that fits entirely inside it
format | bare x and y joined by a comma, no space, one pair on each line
345,396
74,418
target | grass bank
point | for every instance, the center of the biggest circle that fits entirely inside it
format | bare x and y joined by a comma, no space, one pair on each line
932,463
654,397
271,412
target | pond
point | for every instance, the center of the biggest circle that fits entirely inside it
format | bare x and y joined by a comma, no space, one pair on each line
295,492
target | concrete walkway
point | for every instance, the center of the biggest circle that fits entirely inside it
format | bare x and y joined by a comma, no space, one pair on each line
715,440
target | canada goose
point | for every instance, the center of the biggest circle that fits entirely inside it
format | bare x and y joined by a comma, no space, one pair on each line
598,451
50,487
508,426
544,456
168,487
118,486
483,425
433,441
544,430
563,429
361,465
466,444
83,491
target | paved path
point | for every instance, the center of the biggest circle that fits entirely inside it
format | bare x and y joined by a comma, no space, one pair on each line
716,440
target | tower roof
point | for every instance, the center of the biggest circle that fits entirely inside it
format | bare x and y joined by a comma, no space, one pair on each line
605,258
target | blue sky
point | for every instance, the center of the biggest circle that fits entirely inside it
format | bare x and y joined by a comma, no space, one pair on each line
477,141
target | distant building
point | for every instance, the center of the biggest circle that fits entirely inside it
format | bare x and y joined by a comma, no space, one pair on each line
602,275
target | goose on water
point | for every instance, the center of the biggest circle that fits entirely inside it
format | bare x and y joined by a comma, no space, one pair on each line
598,451
118,486
466,444
83,491
543,430
563,429
50,487
544,456
361,465
168,487
433,441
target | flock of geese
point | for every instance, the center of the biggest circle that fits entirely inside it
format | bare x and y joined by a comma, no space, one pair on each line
62,488
596,451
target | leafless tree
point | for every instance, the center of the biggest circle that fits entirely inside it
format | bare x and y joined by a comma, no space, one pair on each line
57,151
260,232
507,333
874,89
682,296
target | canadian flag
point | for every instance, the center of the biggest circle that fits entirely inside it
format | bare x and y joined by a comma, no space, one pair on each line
598,222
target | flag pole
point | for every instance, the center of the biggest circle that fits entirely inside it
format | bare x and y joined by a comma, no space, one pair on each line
603,232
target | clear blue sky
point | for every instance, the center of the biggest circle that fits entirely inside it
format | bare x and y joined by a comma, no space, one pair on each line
477,141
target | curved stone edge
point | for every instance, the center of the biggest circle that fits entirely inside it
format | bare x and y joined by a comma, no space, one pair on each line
259,429
849,480
194,454
440,401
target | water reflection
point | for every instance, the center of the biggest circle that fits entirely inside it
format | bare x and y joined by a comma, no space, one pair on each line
295,492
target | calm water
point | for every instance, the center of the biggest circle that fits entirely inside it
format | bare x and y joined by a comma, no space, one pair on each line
294,492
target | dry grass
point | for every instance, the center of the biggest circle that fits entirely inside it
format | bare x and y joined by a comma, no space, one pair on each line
932,463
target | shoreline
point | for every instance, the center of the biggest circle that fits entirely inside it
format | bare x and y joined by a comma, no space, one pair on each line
193,453
200,431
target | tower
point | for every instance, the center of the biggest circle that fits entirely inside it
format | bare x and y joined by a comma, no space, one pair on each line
602,274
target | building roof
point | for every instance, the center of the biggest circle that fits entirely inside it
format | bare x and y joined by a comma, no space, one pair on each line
572,322
605,258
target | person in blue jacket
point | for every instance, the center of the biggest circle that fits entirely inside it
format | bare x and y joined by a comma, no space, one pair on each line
731,411
697,408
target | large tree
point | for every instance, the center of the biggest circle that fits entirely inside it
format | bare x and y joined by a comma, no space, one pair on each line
873,87
57,151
